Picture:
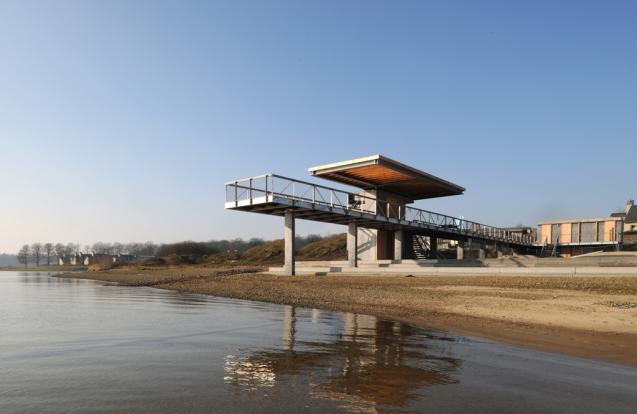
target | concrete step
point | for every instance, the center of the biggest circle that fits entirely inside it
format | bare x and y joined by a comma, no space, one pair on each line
321,263
475,271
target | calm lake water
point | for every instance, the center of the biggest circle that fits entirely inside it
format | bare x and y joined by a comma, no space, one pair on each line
76,346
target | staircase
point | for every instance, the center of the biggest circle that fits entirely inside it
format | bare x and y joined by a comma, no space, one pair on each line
550,250
554,251
422,249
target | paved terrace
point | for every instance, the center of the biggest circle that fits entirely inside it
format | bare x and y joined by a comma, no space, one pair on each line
275,195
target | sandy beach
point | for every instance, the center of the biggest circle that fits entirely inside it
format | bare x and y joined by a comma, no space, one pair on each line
588,317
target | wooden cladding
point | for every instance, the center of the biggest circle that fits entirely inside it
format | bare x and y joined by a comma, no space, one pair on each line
580,232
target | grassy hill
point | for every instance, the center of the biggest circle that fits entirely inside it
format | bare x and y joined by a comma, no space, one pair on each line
329,248
268,252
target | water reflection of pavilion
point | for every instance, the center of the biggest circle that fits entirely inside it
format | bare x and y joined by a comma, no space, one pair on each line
369,363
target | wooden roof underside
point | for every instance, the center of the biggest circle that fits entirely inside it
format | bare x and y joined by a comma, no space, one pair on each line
382,173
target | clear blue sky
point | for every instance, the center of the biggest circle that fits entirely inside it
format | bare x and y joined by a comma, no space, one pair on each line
121,120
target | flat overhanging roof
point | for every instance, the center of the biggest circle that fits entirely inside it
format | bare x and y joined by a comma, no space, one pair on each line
382,173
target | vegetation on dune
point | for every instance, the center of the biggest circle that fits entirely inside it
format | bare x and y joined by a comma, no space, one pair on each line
270,252
330,248
214,252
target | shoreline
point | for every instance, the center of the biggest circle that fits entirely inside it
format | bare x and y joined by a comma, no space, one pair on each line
585,317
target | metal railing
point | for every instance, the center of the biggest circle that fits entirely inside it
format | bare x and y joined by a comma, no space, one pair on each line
264,188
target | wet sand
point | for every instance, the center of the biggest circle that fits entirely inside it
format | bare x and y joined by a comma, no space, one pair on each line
587,317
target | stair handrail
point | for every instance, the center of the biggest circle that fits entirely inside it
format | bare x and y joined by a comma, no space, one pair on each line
554,251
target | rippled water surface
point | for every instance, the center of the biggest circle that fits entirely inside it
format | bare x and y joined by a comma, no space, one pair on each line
75,346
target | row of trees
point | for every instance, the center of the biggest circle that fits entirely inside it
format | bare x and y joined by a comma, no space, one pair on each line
36,252
40,253
191,248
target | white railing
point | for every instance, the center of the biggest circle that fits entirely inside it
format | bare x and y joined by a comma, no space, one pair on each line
265,187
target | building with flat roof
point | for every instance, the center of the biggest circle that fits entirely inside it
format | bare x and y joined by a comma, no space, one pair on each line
577,236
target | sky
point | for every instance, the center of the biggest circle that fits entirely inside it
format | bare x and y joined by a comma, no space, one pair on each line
121,121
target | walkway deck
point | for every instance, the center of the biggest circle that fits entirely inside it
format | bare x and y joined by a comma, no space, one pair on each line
274,194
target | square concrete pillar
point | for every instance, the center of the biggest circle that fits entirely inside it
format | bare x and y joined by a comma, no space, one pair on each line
352,245
498,249
481,252
433,247
460,251
288,250
398,245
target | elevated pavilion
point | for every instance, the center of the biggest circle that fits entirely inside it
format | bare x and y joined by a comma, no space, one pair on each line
381,223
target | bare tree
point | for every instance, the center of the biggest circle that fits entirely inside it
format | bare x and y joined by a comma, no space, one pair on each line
36,250
48,249
118,248
72,249
102,248
23,255
60,252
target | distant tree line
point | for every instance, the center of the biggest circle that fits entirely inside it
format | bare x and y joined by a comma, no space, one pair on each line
48,253
230,247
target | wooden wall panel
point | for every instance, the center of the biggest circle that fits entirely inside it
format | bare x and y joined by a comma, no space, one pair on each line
565,236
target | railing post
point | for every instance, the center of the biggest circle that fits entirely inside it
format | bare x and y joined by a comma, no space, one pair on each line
273,188
313,194
236,196
250,190
266,188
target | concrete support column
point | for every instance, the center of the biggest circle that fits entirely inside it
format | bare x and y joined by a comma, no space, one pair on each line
498,249
289,236
398,245
289,327
352,245
481,252
460,251
433,247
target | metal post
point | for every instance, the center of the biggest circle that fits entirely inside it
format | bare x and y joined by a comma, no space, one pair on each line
289,236
250,190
